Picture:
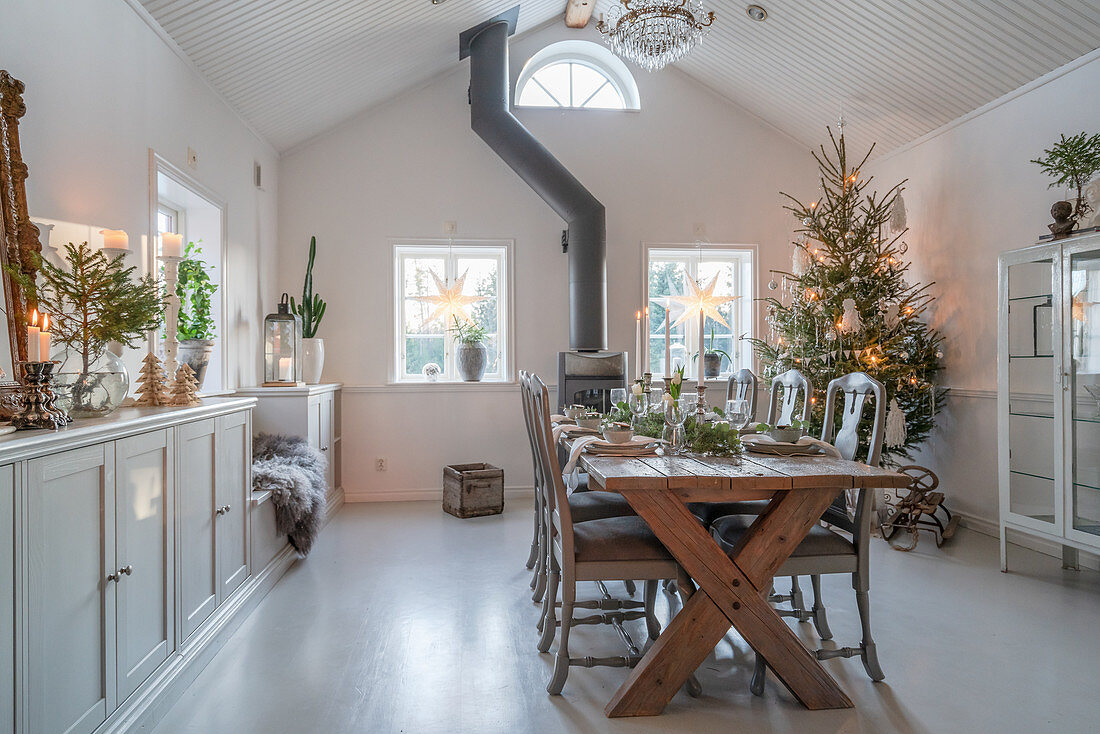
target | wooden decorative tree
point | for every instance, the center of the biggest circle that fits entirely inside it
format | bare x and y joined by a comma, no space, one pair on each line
154,383
185,387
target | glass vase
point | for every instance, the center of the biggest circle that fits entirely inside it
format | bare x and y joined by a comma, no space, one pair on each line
93,389
675,414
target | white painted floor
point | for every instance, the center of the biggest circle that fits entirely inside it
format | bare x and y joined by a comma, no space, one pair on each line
406,619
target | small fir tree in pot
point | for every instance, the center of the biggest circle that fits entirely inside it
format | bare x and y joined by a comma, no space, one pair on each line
1071,162
195,324
93,300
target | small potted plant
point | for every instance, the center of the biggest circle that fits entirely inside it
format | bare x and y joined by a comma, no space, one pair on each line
471,355
195,323
712,358
312,310
1071,162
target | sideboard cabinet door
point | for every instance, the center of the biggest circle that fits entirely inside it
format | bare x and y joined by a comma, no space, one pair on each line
143,468
70,536
7,599
234,478
196,504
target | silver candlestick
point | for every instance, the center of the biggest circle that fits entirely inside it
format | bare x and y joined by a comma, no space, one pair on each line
701,405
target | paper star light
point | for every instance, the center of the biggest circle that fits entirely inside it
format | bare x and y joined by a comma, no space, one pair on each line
702,300
449,302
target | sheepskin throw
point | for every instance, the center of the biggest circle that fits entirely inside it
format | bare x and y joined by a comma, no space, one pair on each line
294,472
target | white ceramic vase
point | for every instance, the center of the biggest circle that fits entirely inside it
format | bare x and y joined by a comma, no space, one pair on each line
313,360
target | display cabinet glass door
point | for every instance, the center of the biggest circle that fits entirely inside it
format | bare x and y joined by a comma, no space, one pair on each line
1033,362
1082,306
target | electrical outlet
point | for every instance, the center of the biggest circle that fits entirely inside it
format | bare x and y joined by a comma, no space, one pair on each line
450,227
380,464
192,158
699,229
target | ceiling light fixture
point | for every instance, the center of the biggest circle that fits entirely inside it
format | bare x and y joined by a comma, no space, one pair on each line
653,33
754,11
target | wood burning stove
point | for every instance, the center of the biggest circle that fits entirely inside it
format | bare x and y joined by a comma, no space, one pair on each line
587,378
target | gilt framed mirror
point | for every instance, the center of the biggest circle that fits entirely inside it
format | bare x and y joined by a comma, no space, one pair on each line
19,243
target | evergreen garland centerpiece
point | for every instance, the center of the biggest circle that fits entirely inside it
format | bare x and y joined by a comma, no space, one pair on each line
847,305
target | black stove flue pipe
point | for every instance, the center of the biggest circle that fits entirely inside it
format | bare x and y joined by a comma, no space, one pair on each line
490,117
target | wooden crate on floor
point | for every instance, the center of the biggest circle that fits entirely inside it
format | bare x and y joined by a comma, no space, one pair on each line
473,490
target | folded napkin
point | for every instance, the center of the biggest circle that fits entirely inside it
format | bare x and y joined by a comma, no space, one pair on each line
575,452
826,448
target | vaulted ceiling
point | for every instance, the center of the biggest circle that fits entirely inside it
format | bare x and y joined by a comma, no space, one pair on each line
900,68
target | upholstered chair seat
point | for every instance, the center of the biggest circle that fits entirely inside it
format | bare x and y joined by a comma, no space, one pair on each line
820,542
589,506
617,539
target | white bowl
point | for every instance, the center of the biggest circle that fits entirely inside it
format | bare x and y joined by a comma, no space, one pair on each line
574,412
622,435
593,423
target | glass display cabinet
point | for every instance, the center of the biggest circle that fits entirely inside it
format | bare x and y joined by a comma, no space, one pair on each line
1049,394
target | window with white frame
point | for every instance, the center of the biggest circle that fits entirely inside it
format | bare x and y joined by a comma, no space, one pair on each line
731,268
437,284
576,75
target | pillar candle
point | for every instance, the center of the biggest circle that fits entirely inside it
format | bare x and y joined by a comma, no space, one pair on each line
115,239
638,342
171,244
668,342
702,322
284,369
645,341
44,339
32,337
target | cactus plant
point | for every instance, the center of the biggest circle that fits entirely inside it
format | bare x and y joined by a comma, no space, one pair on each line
312,307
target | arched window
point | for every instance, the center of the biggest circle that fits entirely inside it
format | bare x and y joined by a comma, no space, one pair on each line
576,75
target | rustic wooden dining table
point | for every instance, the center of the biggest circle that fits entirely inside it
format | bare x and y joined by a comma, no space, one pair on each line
731,591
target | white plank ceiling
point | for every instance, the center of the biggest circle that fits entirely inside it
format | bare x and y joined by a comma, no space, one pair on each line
901,68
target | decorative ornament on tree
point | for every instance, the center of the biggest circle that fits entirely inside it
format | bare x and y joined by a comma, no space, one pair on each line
896,432
898,218
851,307
772,285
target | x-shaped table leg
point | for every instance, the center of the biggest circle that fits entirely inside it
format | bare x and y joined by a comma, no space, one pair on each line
730,592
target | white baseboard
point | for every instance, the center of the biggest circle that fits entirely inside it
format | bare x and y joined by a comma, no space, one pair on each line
413,495
1024,540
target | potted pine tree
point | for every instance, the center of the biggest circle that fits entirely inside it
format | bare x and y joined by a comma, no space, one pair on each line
312,310
195,323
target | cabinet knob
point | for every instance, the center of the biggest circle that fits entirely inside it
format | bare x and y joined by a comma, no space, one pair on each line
324,448
127,569
112,577
223,509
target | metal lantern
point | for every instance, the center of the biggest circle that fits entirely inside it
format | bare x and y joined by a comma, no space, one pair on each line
283,347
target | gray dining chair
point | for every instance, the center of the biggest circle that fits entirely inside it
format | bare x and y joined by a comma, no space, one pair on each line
613,548
742,386
825,550
585,505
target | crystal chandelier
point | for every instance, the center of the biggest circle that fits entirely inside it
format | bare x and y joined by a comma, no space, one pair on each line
652,33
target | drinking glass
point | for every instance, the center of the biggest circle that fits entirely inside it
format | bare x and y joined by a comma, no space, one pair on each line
737,413
676,412
656,394
639,405
618,395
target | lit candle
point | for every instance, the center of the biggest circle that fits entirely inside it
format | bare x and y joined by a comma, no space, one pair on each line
44,339
115,239
668,342
702,321
32,338
638,342
171,244
284,369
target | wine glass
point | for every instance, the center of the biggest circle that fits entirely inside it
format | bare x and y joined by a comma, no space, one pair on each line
639,405
656,395
737,413
618,395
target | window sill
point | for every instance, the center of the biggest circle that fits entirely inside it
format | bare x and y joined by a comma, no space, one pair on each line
435,387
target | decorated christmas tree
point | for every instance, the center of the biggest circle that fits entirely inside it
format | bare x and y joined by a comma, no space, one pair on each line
846,305
154,382
185,387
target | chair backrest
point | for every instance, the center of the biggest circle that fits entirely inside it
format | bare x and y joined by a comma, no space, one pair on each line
742,386
529,422
784,397
556,497
856,388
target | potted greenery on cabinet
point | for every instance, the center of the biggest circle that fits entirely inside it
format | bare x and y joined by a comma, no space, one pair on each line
195,324
93,301
312,310
470,352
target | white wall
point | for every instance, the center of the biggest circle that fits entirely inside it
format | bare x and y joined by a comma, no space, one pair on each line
402,169
973,194
103,88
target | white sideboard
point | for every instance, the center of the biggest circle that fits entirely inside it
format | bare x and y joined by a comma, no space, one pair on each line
127,557
312,412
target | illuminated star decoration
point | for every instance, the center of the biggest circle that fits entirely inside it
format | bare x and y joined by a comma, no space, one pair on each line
449,302
702,300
